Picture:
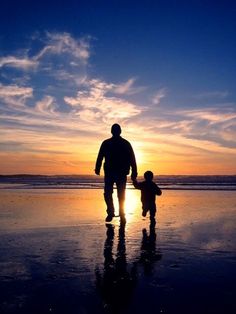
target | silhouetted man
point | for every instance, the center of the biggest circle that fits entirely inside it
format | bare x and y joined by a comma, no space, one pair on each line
119,157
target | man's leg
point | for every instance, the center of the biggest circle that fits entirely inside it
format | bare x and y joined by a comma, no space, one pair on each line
108,190
145,210
121,186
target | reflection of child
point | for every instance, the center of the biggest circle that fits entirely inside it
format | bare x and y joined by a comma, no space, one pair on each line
149,190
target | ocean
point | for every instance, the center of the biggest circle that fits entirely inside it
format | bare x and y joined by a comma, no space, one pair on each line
167,182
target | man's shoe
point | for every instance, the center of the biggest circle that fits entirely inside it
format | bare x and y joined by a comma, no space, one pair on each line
144,213
109,218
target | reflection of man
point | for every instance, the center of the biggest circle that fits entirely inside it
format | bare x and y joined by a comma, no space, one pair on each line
117,282
119,157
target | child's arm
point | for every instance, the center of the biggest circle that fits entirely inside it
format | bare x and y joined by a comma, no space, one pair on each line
158,190
136,184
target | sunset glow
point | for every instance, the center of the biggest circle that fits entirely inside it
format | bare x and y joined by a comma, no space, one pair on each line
61,90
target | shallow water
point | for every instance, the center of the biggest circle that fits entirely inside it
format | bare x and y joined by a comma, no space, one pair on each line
58,256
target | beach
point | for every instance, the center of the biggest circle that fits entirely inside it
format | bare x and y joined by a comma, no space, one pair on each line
57,255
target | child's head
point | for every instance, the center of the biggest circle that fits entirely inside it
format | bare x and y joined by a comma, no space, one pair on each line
148,176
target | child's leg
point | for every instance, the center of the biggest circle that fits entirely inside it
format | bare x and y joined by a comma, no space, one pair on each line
152,212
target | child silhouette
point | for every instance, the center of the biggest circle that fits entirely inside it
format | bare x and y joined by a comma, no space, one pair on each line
149,190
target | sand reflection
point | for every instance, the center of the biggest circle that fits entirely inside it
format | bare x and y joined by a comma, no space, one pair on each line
115,283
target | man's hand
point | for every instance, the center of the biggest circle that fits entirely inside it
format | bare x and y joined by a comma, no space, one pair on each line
135,183
133,176
97,172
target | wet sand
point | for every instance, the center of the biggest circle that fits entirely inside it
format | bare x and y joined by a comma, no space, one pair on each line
58,256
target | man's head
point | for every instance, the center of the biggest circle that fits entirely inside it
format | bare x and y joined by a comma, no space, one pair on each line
116,130
148,176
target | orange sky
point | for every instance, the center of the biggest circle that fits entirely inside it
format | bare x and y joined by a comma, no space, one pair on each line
46,153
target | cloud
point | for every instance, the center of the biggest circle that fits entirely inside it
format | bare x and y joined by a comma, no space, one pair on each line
75,77
23,63
125,87
58,58
128,88
211,115
64,43
156,99
207,129
14,90
46,105
210,124
15,96
94,105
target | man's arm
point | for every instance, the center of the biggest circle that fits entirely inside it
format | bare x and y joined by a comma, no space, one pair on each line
99,160
133,164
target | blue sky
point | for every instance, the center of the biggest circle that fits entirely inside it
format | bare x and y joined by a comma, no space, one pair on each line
165,70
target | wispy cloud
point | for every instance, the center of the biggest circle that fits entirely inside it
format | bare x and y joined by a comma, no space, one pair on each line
128,88
15,96
94,105
46,105
24,63
60,58
210,114
14,91
161,93
64,43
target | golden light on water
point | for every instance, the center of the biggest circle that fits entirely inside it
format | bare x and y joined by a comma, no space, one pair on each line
132,204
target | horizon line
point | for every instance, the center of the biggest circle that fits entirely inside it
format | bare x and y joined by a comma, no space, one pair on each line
94,175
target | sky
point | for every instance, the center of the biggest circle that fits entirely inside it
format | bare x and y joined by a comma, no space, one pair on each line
164,70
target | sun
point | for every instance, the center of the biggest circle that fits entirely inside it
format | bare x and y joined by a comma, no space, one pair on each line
132,204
